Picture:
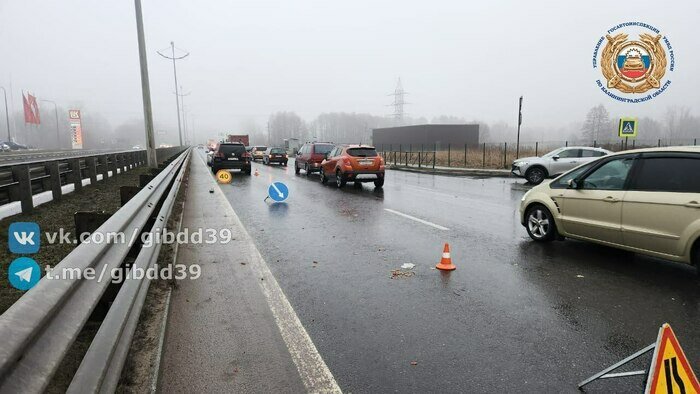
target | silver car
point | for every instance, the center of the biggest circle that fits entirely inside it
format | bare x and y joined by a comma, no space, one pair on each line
556,162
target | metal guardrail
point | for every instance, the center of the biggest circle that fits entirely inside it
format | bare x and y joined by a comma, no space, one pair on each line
38,330
21,181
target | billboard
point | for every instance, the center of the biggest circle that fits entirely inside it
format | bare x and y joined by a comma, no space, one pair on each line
76,128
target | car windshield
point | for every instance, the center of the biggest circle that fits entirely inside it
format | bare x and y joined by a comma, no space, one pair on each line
362,152
553,153
231,148
322,149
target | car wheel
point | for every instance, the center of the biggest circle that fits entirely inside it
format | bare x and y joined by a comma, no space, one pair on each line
324,179
296,168
339,180
535,175
695,256
379,183
539,223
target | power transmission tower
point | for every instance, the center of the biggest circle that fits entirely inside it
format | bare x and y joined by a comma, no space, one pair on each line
398,103
177,96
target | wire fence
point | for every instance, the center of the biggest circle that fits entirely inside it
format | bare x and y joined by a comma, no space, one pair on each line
500,155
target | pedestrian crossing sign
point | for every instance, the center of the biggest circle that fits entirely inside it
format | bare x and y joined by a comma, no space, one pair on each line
670,370
628,127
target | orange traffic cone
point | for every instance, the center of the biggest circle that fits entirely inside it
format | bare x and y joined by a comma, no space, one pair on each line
446,261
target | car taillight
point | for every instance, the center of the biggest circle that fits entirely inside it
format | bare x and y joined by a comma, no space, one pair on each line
381,161
347,162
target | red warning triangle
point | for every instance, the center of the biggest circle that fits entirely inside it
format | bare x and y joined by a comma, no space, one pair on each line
670,371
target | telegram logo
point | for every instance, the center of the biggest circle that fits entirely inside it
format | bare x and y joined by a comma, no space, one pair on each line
24,273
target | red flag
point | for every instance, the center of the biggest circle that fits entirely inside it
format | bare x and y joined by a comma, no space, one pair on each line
31,109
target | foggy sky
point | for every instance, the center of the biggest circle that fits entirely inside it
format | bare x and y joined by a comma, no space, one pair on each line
251,58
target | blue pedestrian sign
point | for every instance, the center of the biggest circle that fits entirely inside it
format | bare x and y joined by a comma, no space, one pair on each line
278,191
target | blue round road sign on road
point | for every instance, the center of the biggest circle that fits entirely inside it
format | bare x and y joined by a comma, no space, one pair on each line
278,191
24,273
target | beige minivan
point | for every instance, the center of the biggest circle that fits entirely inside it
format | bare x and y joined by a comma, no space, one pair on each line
645,201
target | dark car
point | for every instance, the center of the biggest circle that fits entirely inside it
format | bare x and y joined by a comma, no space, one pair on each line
311,155
230,156
275,155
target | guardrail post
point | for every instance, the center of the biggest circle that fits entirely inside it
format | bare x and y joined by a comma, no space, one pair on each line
54,179
113,164
91,169
23,189
449,151
465,155
75,176
537,146
505,154
595,143
434,154
483,160
659,143
420,154
566,144
104,166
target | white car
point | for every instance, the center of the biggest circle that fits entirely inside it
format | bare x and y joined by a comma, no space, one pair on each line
556,162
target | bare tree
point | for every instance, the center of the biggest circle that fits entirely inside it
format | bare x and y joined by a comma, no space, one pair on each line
597,123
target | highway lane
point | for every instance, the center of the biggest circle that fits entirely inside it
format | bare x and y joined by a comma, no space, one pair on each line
514,316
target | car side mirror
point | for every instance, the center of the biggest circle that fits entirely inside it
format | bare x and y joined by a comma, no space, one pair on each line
574,184
555,158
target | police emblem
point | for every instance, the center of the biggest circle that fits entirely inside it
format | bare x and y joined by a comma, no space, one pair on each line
634,66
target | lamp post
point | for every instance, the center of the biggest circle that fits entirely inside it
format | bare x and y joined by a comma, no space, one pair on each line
7,116
55,109
177,95
520,121
145,90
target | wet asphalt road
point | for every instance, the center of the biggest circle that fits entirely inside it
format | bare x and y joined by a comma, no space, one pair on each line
515,316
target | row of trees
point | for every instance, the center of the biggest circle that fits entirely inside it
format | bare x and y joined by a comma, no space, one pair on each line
676,124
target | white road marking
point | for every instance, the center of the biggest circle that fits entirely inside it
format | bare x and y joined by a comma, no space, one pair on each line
313,371
437,226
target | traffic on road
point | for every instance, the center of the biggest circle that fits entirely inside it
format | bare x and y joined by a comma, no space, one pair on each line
556,310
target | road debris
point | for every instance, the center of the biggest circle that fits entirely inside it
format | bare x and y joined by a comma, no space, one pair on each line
395,274
408,266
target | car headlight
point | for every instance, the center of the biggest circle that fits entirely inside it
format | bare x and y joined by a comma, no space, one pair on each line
525,195
521,163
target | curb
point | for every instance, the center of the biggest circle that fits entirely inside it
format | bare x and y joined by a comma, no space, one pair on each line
456,172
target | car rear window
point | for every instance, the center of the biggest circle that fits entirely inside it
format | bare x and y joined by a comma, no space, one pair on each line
668,174
362,152
277,150
322,149
260,148
231,148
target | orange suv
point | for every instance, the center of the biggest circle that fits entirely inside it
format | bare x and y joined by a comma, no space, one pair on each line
353,163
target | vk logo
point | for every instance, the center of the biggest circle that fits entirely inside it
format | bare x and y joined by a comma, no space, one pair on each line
24,273
24,237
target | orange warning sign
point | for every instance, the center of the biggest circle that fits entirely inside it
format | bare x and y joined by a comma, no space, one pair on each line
670,371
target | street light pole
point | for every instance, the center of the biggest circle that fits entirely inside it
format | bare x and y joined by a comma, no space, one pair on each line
145,90
7,116
58,133
177,95
520,121
184,117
